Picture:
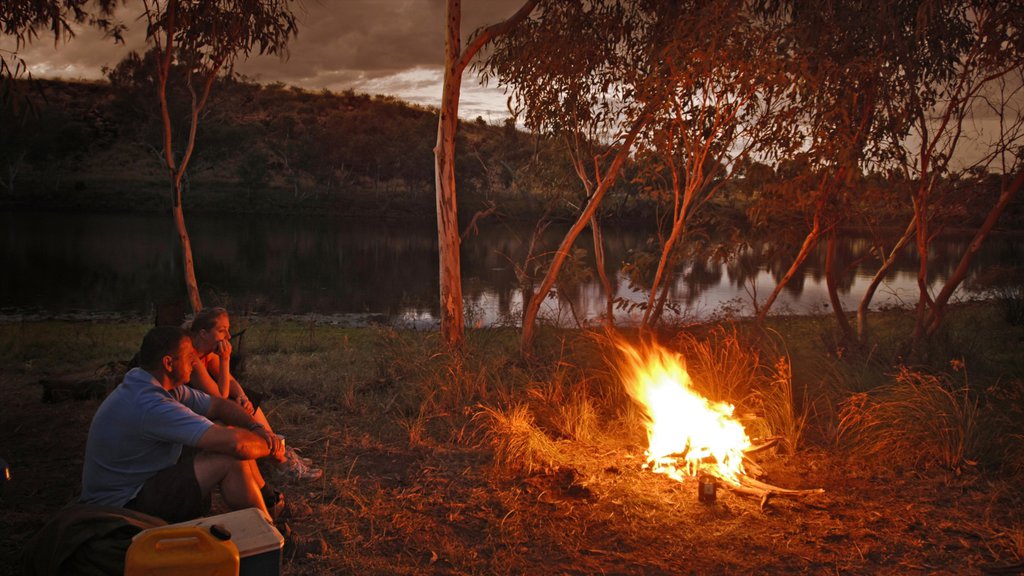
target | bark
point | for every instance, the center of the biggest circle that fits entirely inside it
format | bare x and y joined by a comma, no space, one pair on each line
934,320
810,241
656,300
176,170
865,302
595,228
452,321
922,241
186,253
833,294
532,307
448,240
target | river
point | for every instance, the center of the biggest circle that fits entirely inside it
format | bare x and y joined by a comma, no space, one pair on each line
355,271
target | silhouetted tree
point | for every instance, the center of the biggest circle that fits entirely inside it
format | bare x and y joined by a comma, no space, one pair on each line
205,37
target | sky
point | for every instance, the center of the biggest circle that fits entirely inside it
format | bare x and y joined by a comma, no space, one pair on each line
391,47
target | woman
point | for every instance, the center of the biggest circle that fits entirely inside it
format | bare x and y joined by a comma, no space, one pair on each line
211,337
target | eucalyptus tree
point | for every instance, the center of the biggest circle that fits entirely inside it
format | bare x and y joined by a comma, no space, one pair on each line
690,89
959,86
205,38
456,60
838,56
576,71
724,94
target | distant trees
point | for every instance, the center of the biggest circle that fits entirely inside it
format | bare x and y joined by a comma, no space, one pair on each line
655,84
819,96
22,20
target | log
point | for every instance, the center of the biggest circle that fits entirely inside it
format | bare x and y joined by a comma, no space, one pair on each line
757,484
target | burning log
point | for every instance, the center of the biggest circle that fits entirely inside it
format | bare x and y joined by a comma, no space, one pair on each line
764,445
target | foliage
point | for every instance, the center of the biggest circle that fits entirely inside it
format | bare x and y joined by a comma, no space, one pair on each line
24,19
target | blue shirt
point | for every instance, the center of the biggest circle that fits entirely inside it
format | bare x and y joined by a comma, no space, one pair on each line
138,431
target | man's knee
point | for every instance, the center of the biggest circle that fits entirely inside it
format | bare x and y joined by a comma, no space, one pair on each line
213,468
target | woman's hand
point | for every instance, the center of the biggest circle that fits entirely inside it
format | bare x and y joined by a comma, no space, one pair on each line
223,349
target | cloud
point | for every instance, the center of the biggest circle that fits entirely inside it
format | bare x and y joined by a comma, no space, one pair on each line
392,47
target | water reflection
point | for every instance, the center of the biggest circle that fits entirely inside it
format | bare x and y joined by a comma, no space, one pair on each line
57,263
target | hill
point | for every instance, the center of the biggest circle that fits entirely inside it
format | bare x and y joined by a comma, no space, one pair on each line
260,148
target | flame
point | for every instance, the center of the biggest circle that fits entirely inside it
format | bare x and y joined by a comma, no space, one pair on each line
682,424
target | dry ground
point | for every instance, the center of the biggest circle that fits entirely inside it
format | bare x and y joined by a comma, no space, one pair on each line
387,505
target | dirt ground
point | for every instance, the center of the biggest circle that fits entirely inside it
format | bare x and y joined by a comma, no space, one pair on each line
390,506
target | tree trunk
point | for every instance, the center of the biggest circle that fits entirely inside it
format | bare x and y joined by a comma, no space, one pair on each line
833,292
810,241
186,252
595,228
934,320
449,262
865,301
532,307
448,241
922,242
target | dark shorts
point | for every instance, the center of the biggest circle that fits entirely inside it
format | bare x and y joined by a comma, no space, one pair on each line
173,494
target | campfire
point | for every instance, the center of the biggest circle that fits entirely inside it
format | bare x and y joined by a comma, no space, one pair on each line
687,434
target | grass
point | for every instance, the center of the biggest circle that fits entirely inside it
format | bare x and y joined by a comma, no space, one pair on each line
434,458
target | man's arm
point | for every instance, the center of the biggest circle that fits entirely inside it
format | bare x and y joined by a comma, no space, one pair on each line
241,444
243,431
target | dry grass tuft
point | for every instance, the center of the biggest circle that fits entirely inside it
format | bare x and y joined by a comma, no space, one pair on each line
723,366
518,444
778,405
918,420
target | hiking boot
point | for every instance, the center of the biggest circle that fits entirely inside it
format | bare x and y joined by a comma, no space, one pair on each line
297,468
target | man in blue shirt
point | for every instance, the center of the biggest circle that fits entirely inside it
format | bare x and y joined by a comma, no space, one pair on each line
133,456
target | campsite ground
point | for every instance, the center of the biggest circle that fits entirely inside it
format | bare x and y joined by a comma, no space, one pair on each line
413,484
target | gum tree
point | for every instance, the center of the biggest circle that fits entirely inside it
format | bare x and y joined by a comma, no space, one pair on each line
575,70
838,55
448,239
205,38
960,69
726,96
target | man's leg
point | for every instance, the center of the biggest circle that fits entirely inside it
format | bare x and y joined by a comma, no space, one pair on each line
239,485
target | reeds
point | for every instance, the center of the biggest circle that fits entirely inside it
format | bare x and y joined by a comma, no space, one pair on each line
919,420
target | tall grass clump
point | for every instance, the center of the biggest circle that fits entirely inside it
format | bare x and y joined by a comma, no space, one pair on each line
827,382
564,405
918,420
723,366
726,366
779,407
512,434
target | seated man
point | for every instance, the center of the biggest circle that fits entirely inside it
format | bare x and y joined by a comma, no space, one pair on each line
133,456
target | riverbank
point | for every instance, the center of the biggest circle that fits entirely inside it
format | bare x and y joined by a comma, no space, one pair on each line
481,463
